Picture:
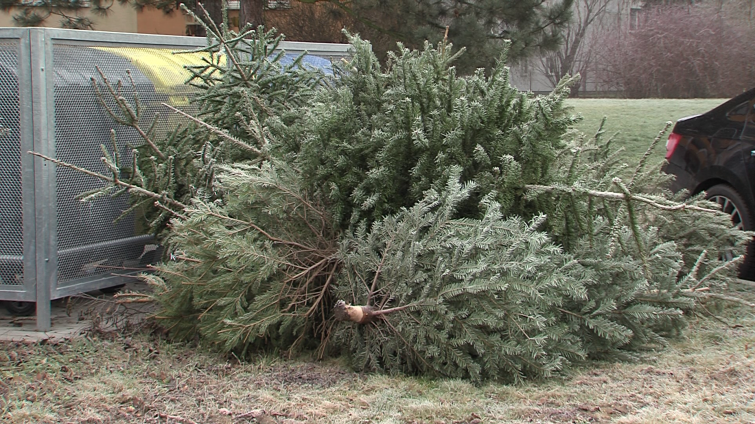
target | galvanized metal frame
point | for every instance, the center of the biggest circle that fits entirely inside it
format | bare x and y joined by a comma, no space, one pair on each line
37,133
25,292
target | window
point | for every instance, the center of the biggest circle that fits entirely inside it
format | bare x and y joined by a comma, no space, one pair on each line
739,112
634,18
749,130
278,4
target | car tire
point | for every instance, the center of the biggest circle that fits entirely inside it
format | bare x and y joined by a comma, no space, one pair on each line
22,309
733,204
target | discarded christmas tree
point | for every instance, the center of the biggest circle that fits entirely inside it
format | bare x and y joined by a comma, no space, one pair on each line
422,222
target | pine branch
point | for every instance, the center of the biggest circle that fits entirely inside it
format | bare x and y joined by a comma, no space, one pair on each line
635,226
133,298
719,296
261,231
646,156
133,116
378,271
131,188
692,275
726,265
609,195
220,39
317,304
169,210
217,131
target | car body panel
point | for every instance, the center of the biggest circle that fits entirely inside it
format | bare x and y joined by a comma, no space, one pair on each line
717,147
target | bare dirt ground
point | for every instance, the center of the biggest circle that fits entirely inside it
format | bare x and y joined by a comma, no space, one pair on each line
134,375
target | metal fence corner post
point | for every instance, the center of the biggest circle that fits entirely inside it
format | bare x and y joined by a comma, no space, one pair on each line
44,175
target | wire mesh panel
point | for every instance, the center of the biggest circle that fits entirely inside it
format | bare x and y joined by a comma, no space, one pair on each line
11,210
93,237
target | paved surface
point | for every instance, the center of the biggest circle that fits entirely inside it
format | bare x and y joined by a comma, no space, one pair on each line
74,316
64,325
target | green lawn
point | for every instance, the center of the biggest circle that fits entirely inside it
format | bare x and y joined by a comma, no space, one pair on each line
636,122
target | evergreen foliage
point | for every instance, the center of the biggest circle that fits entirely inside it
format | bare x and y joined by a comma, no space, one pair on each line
416,221
380,139
620,285
462,298
641,249
243,82
253,270
480,26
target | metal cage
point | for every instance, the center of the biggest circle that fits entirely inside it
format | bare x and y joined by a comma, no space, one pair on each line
53,245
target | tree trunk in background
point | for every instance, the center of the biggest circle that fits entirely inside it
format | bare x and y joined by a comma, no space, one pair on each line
250,11
214,9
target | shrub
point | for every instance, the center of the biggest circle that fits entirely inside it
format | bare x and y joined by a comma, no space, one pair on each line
679,52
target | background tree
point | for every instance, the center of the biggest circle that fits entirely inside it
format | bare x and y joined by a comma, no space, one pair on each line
739,10
251,12
37,13
680,51
315,22
480,26
580,37
69,11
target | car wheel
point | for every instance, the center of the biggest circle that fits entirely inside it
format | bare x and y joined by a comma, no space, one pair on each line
733,204
20,308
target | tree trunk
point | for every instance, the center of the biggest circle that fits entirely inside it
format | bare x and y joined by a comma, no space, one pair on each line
250,11
214,8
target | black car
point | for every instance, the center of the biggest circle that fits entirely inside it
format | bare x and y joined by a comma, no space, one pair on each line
715,152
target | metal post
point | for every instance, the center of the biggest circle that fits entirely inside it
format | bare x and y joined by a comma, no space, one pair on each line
26,120
44,176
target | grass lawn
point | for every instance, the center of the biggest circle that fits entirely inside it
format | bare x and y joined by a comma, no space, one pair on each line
634,123
705,376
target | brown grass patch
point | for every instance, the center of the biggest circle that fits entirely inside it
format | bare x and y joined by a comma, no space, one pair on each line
123,377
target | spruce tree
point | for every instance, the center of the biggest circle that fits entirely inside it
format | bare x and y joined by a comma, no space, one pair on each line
480,26
380,139
456,297
252,270
419,222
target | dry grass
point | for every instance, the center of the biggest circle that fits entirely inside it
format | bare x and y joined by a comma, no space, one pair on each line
707,377
127,377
